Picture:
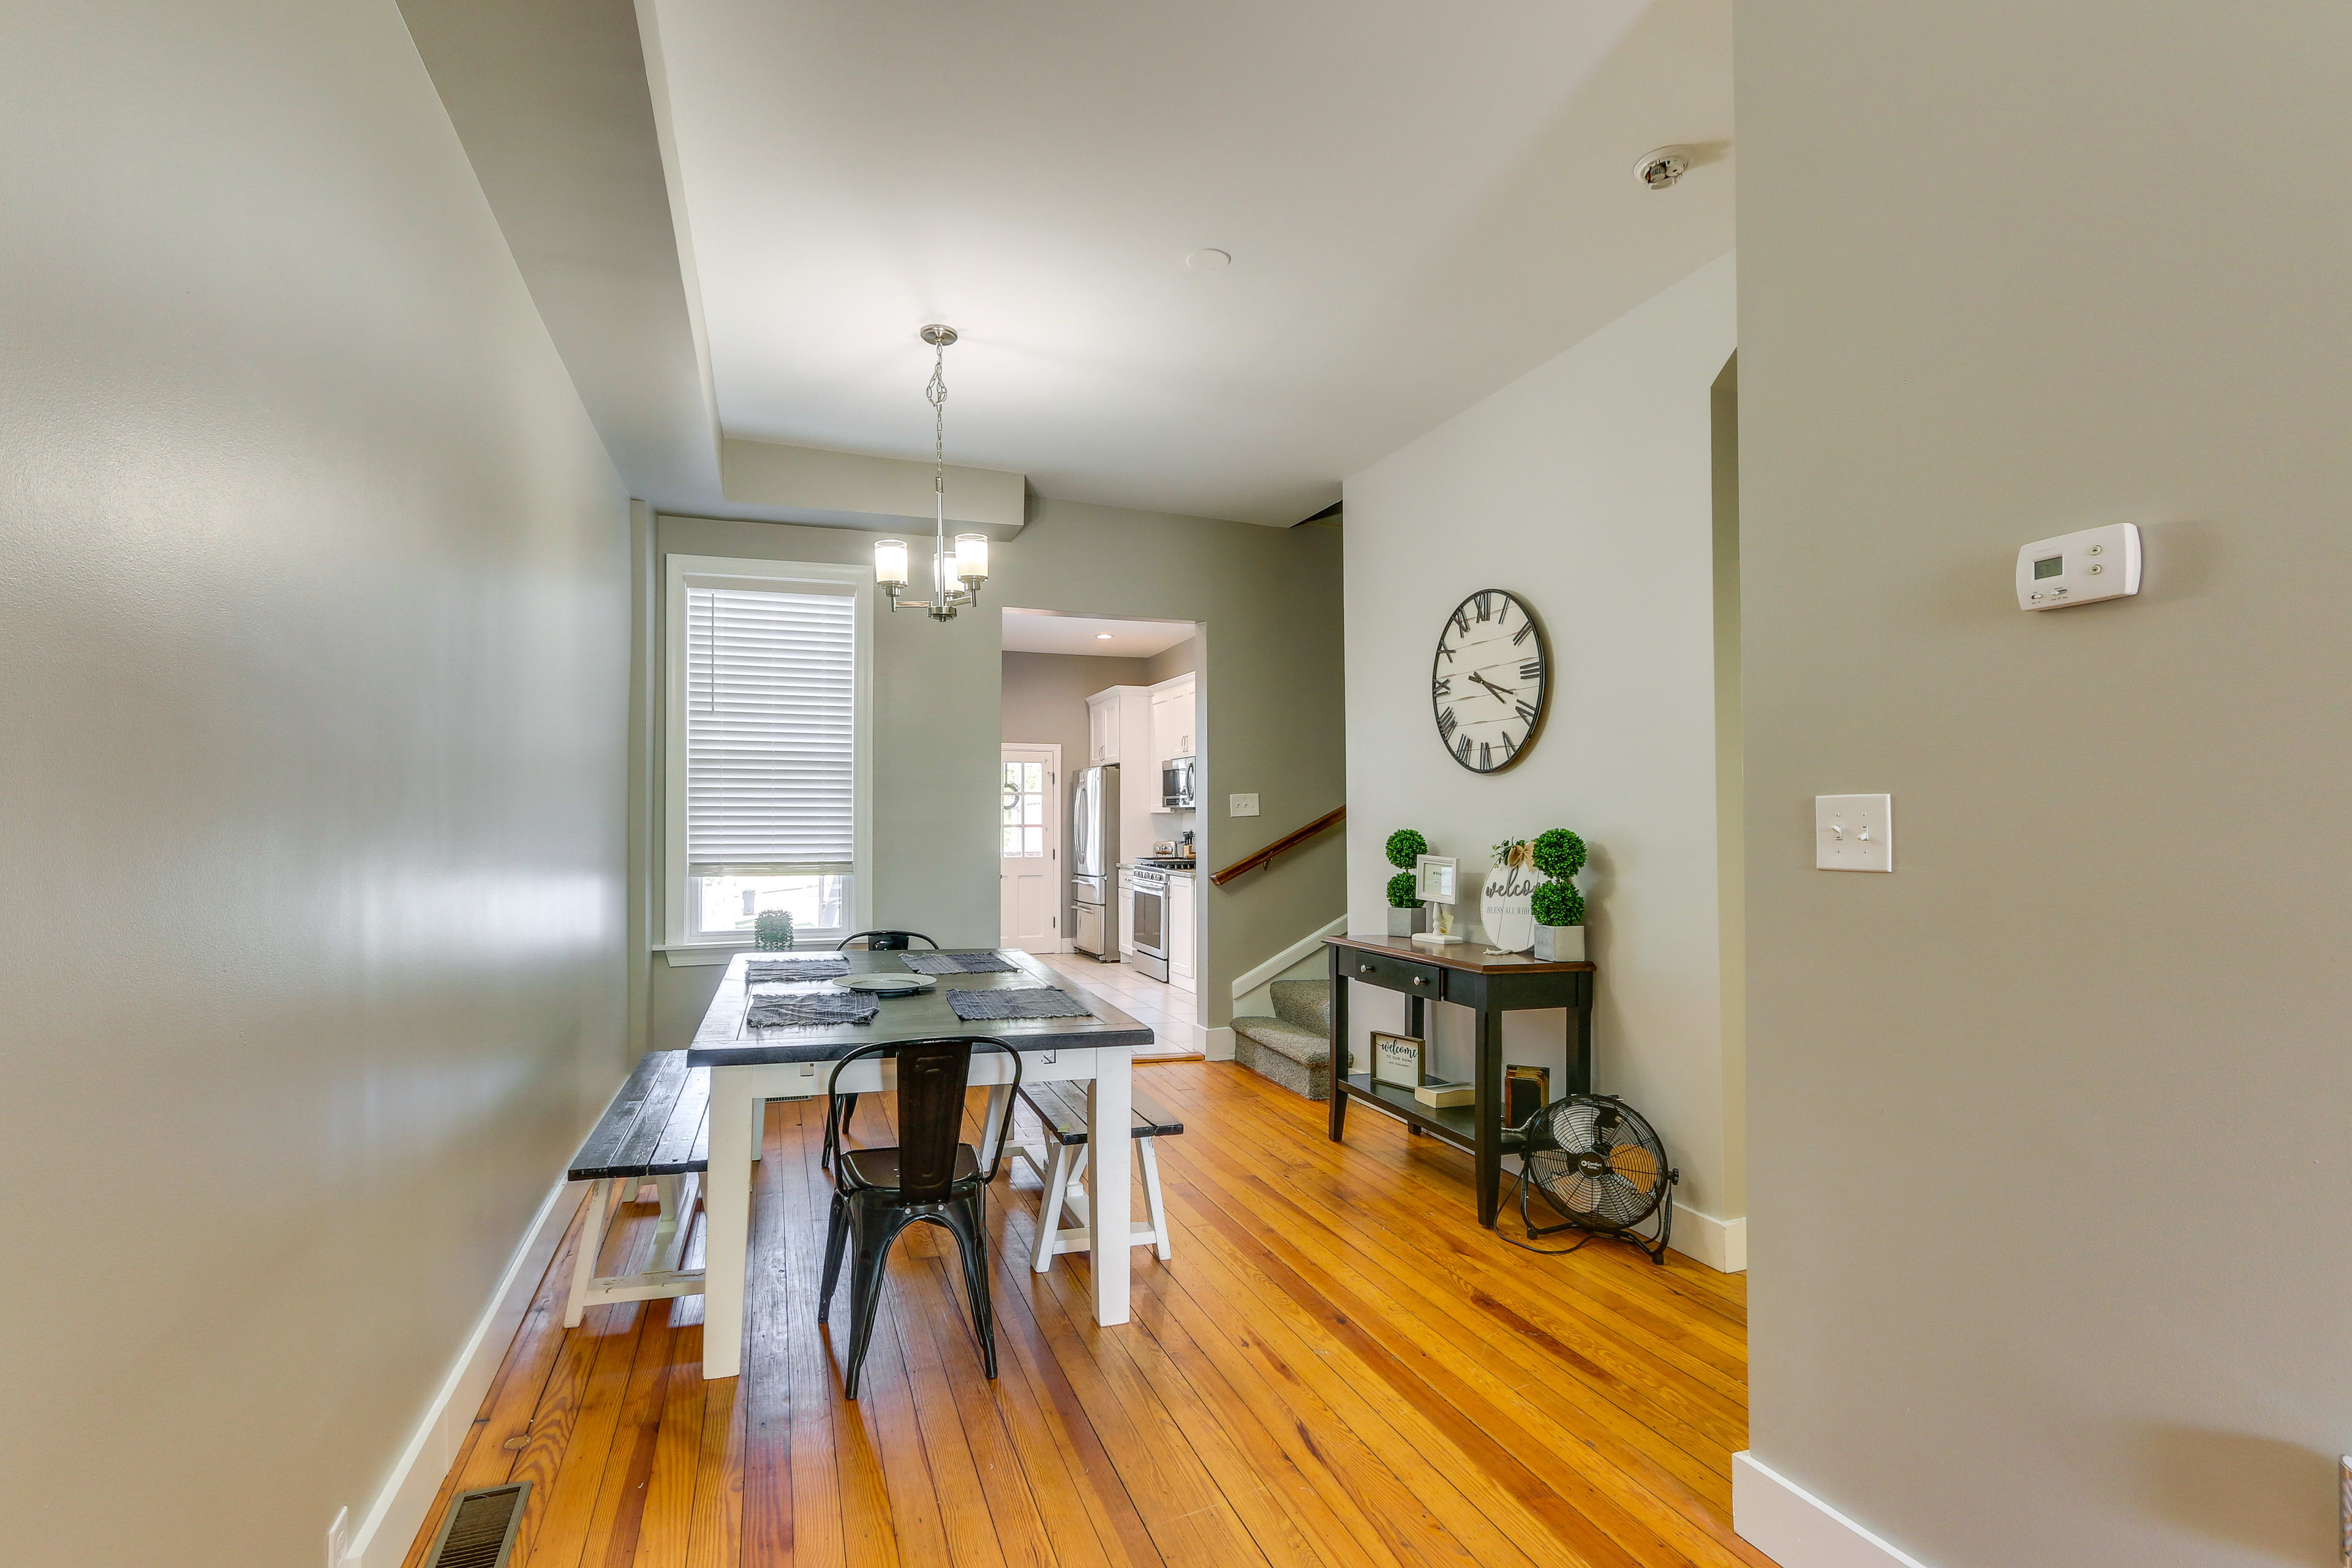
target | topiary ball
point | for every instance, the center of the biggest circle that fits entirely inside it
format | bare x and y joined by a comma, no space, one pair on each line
1404,845
1556,904
1560,854
1402,894
772,930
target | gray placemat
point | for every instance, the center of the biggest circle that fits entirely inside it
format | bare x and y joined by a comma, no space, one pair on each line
766,969
799,1007
958,964
1036,1002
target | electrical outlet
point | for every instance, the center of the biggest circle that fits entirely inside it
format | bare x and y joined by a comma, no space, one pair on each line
1854,832
338,1538
1241,805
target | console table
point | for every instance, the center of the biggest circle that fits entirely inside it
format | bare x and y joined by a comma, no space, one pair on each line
1490,986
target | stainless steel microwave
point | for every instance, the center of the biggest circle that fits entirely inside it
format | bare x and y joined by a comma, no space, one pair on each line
1176,776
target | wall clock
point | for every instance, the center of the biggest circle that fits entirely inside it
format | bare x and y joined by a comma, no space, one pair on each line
1489,681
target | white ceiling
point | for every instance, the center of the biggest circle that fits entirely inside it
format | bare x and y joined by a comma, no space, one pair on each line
1422,200
1040,631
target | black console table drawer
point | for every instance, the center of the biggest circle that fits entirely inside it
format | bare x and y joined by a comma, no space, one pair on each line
1393,973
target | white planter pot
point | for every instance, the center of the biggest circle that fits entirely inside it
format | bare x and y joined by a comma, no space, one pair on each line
1406,921
1559,945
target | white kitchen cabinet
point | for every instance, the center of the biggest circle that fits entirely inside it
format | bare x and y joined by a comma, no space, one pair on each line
1172,723
1126,914
1102,727
1182,937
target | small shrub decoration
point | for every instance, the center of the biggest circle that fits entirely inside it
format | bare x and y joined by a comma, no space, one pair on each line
1556,904
1401,892
772,930
1560,854
1404,844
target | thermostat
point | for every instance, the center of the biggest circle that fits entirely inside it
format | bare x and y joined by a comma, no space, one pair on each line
2079,568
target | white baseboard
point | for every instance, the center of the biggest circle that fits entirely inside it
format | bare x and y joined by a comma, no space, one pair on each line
1720,1243
391,1521
1798,1530
1251,980
1218,1044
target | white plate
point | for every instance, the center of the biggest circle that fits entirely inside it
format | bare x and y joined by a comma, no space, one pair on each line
886,985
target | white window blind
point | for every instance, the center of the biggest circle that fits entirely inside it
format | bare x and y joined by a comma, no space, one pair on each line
771,732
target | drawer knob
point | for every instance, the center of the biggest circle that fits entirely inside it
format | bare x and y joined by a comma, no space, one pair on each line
1363,968
1421,980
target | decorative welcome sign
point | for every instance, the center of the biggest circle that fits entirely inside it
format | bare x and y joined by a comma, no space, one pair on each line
1505,904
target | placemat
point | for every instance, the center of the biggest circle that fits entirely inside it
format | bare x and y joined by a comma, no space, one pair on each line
799,1007
763,969
959,963
1037,1002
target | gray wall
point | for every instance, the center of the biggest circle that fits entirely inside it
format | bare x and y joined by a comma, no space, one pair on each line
313,613
1182,658
2050,1164
1269,601
1585,487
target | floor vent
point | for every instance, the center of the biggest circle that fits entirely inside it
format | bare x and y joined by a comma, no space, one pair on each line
480,1529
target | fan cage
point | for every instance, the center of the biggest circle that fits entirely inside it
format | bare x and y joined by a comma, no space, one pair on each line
1600,1166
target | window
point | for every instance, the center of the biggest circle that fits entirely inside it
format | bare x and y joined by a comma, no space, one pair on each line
1025,811
767,745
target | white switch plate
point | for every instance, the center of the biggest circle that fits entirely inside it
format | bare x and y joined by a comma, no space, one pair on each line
1854,832
1241,805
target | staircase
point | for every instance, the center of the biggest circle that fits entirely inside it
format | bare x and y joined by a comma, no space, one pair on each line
1293,1047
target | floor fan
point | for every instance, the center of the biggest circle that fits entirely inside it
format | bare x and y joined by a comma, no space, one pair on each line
1600,1166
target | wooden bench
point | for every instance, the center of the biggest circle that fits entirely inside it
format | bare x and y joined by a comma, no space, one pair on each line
1061,1111
658,1128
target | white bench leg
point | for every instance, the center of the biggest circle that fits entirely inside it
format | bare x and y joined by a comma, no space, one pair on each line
583,1265
1152,1204
1049,1207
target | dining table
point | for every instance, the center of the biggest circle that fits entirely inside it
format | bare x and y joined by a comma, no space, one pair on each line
751,1064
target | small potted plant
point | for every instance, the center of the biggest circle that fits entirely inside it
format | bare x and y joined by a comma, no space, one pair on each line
1406,914
772,930
1557,907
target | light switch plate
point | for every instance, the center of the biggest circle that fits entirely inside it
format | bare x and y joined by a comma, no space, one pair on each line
1241,805
1854,832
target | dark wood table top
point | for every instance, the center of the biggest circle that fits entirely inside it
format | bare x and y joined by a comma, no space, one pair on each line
724,1041
1472,956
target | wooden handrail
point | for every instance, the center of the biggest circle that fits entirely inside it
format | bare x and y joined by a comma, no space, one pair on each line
1251,862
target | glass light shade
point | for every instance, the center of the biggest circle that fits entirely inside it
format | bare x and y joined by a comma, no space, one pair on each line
972,556
891,563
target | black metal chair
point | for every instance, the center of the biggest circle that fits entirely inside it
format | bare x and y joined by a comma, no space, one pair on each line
931,1175
883,941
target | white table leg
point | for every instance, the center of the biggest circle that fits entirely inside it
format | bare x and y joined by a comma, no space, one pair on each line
1111,1098
758,1127
993,1119
727,1221
583,1262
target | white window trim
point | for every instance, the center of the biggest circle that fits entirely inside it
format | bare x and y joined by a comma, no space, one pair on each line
683,572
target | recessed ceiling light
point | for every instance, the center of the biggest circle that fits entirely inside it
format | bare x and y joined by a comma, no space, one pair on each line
1209,261
1102,636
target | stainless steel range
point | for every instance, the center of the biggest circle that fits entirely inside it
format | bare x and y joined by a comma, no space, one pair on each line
1150,886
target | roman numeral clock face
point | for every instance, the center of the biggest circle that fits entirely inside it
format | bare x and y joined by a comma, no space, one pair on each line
1488,682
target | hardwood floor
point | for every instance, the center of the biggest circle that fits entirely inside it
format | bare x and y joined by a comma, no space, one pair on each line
1338,1367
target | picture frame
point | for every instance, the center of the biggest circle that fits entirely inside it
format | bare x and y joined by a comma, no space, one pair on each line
1526,1091
1435,877
1399,1061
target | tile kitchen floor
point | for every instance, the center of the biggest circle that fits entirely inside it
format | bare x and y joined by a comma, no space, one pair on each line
1173,1015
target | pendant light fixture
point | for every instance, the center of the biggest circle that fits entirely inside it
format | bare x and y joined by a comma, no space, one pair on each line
970,562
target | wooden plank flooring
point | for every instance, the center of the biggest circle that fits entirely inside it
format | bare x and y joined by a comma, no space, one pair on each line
1338,1369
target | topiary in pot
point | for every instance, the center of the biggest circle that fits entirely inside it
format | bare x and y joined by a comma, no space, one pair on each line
772,930
1557,907
1405,914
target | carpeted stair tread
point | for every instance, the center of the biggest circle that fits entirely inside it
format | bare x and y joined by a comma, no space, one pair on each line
1305,1046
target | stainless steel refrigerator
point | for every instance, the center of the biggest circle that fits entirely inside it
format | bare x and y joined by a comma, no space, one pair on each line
1093,864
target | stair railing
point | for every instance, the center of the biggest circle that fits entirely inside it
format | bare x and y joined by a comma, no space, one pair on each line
1289,841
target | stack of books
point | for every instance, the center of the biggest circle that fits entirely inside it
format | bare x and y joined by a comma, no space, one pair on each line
1439,1093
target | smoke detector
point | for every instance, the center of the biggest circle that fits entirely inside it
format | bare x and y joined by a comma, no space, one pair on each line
1661,166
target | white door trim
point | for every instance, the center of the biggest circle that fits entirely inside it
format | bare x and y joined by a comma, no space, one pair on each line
1056,883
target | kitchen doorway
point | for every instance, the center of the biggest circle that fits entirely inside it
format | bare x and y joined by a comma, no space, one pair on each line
1029,870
